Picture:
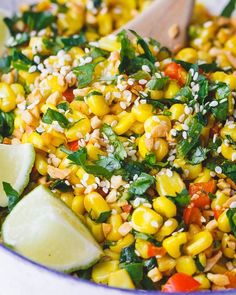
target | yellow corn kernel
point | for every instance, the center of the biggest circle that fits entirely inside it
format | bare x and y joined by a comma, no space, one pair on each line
142,112
231,45
111,255
95,205
166,263
146,220
94,152
19,123
125,123
78,204
190,171
229,252
219,201
186,264
109,119
41,164
188,55
202,259
137,128
228,152
120,279
122,243
28,78
223,77
203,280
157,94
109,43
204,176
7,98
177,110
142,148
104,24
223,223
158,126
97,104
53,84
172,244
67,198
218,269
172,89
115,221
36,140
167,229
169,185
78,130
200,242
161,148
141,246
37,45
81,174
18,89
165,207
229,130
76,52
102,270
95,228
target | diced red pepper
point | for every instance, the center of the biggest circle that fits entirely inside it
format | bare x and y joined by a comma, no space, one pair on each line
127,208
202,190
154,251
217,213
176,72
181,282
69,95
192,215
232,279
73,146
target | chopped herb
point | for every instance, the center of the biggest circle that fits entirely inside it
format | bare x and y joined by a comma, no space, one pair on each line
61,186
211,196
182,199
151,162
229,8
97,3
128,255
38,20
80,158
76,40
146,237
231,214
110,163
198,155
150,263
24,38
103,217
51,116
157,83
228,167
63,106
6,124
5,64
96,52
231,141
84,74
222,94
119,150
195,128
85,274
147,52
20,61
141,184
13,195
132,168
135,270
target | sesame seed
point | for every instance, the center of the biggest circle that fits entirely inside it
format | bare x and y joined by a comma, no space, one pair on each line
142,81
212,174
195,77
123,105
173,132
146,68
169,173
32,69
218,169
185,135
185,127
214,103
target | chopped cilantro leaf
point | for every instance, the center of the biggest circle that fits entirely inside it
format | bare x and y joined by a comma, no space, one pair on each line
13,196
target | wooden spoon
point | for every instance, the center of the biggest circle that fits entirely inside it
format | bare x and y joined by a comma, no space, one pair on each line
164,20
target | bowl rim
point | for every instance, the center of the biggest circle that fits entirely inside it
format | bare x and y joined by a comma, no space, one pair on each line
93,284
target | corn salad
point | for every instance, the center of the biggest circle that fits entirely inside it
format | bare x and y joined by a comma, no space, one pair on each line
140,143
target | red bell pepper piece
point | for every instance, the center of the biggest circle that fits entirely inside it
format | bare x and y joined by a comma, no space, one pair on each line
181,282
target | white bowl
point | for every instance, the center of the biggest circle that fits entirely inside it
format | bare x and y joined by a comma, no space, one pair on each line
20,276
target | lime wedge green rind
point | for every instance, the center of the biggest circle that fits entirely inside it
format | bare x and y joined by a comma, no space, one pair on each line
16,163
42,228
5,34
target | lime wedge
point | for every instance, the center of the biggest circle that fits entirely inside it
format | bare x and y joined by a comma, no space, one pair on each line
16,163
42,228
5,34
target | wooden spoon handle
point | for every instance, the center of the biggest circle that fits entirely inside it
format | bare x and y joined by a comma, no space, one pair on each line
165,21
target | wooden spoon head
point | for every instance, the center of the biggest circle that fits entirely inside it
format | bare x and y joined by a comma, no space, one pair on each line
166,21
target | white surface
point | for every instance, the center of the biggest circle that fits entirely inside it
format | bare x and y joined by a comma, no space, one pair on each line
19,277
